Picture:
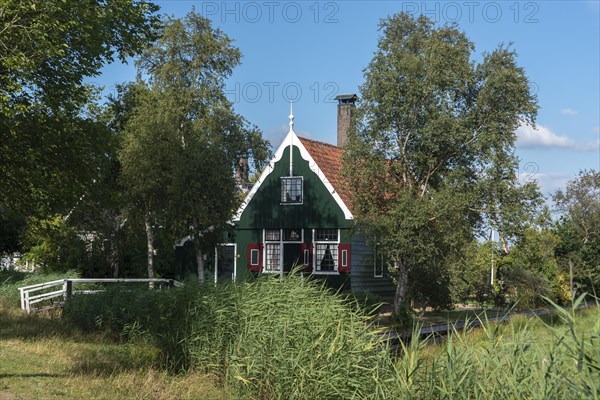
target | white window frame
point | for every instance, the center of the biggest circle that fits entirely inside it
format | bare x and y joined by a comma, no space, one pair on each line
301,240
279,242
266,244
292,203
252,253
316,259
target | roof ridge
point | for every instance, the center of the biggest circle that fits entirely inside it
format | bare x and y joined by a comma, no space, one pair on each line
318,141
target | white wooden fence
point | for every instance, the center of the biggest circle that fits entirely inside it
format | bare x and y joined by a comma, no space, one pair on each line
33,294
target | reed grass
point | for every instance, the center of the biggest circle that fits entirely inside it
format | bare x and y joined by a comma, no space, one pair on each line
526,358
294,339
297,340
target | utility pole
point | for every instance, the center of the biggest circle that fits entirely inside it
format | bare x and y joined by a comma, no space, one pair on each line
492,267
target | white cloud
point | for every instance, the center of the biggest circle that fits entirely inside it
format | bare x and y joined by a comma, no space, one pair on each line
528,136
548,183
551,182
568,111
303,134
542,137
276,134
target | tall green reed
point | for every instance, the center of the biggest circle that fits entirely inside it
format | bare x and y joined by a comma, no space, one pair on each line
523,358
295,339
299,341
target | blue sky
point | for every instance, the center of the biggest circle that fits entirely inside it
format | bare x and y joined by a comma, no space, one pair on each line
314,50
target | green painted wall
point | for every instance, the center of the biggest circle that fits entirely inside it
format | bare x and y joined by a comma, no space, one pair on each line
362,272
318,210
265,211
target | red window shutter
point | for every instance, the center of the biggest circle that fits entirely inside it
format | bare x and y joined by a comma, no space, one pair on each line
344,257
254,258
307,261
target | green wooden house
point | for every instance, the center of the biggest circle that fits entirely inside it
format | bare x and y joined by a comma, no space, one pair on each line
298,213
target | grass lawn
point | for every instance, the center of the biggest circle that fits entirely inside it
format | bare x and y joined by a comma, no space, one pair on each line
41,358
552,357
452,316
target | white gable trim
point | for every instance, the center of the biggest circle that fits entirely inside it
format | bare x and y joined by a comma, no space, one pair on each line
292,139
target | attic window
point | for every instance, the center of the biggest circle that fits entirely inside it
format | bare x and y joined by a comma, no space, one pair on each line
291,190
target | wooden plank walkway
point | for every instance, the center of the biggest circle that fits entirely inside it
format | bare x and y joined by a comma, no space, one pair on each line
438,331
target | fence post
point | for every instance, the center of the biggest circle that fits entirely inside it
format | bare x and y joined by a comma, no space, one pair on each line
22,296
68,289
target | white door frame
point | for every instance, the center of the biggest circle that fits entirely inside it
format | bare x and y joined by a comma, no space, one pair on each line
234,275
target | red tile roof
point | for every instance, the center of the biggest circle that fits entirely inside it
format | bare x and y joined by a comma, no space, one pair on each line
329,159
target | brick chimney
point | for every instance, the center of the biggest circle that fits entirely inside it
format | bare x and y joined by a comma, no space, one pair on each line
241,174
345,116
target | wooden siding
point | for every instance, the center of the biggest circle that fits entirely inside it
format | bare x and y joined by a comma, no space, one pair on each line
362,272
265,211
318,209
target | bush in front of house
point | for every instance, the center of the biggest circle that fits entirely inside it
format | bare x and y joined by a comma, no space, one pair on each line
294,339
11,281
297,340
268,338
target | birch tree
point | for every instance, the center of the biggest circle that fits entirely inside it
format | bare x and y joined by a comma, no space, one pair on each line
184,139
579,230
432,157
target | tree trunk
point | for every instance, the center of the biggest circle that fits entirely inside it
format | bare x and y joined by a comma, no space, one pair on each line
401,289
114,255
200,263
150,239
571,279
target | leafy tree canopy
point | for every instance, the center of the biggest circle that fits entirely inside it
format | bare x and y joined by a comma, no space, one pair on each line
435,142
579,228
50,143
182,138
48,48
11,226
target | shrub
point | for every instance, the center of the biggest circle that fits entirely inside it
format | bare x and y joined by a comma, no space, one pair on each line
527,289
366,302
294,339
299,341
11,281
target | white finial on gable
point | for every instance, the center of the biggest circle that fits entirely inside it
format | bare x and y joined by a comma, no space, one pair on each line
288,144
291,113
292,137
